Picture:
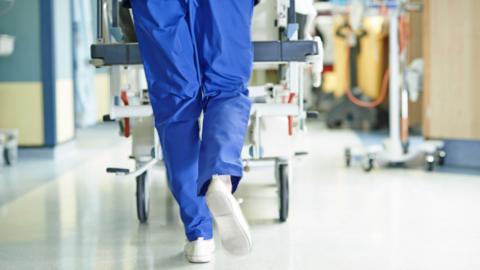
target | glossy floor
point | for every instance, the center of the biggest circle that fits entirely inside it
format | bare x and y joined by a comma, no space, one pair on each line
68,214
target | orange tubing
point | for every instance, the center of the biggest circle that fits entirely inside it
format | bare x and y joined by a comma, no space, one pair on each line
376,102
404,37
404,33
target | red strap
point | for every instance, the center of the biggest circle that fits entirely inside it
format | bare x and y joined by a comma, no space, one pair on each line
126,121
290,118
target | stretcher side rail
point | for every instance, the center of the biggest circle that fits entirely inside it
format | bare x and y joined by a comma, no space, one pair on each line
264,51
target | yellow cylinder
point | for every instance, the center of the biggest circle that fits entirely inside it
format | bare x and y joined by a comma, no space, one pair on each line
371,62
340,61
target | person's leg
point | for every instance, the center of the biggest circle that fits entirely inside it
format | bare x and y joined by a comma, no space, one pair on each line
222,34
169,59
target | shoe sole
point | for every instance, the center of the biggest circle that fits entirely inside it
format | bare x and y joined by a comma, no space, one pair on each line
199,259
231,223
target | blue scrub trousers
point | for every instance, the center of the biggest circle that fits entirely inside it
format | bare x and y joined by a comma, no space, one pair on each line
198,56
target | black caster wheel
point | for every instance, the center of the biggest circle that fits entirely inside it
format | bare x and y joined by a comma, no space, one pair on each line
348,157
441,157
430,162
142,197
283,192
368,164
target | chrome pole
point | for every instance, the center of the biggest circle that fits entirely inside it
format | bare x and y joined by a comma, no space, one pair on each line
100,21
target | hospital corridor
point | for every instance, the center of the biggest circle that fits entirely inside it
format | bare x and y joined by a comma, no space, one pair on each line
72,216
259,134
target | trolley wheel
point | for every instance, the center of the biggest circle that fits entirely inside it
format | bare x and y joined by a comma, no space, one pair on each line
348,157
430,162
441,157
142,197
368,164
283,192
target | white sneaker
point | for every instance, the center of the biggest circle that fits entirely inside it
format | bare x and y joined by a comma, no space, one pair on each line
232,225
200,250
